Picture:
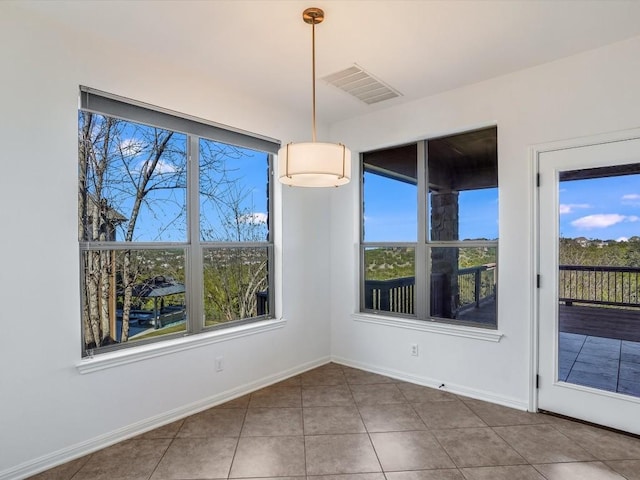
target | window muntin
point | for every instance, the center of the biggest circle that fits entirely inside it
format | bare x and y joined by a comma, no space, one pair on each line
149,229
455,204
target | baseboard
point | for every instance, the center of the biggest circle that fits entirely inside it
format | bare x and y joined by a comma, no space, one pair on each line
81,449
430,382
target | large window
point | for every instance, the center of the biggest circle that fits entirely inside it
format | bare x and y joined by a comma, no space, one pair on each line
429,246
173,224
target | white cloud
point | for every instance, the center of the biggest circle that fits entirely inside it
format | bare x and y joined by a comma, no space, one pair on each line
570,207
256,218
131,147
632,199
161,167
164,167
622,239
602,220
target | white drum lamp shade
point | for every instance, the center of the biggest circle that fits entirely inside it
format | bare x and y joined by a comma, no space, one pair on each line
314,164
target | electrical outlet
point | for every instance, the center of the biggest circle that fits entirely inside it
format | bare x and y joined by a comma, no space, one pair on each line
219,364
414,349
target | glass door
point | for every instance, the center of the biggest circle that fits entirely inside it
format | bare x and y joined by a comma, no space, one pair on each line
589,296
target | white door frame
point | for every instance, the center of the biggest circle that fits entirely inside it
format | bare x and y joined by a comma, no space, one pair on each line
534,155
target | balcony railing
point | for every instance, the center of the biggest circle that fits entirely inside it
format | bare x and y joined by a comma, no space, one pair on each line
476,285
394,295
599,285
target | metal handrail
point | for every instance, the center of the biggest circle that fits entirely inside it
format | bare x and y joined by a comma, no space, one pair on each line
599,285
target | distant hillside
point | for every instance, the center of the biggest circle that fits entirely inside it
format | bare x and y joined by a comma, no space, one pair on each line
386,263
594,252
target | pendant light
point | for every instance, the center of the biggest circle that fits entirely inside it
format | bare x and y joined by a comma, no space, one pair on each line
314,164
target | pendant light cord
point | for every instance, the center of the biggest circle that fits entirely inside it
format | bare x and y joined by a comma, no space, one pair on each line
313,80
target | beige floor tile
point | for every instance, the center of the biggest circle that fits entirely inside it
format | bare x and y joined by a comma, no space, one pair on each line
201,458
400,451
477,447
448,415
214,422
391,418
360,377
543,444
272,422
630,469
381,394
240,402
324,376
326,396
340,423
439,474
578,471
498,415
338,454
602,444
332,420
167,431
62,472
280,478
419,394
130,460
350,476
295,381
277,397
269,457
507,472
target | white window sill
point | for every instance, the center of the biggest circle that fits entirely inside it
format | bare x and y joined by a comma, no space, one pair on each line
144,352
431,326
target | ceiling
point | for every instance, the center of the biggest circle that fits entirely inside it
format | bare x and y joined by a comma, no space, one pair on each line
419,48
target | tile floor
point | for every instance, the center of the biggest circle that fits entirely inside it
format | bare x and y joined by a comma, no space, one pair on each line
339,423
604,363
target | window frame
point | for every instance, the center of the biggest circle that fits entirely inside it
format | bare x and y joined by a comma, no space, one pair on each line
194,129
423,247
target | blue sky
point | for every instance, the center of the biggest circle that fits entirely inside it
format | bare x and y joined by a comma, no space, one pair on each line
391,211
601,208
161,217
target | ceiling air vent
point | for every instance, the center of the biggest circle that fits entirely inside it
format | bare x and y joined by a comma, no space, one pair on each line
362,85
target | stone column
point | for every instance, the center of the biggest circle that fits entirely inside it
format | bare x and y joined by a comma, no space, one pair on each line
444,261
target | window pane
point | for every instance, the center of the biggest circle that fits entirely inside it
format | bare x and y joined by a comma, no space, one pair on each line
235,284
132,181
390,209
390,195
234,193
463,186
389,279
132,295
463,284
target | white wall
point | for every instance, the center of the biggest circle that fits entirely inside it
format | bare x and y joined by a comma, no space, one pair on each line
587,94
48,411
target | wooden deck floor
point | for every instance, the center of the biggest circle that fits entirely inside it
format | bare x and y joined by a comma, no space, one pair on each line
601,322
619,324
